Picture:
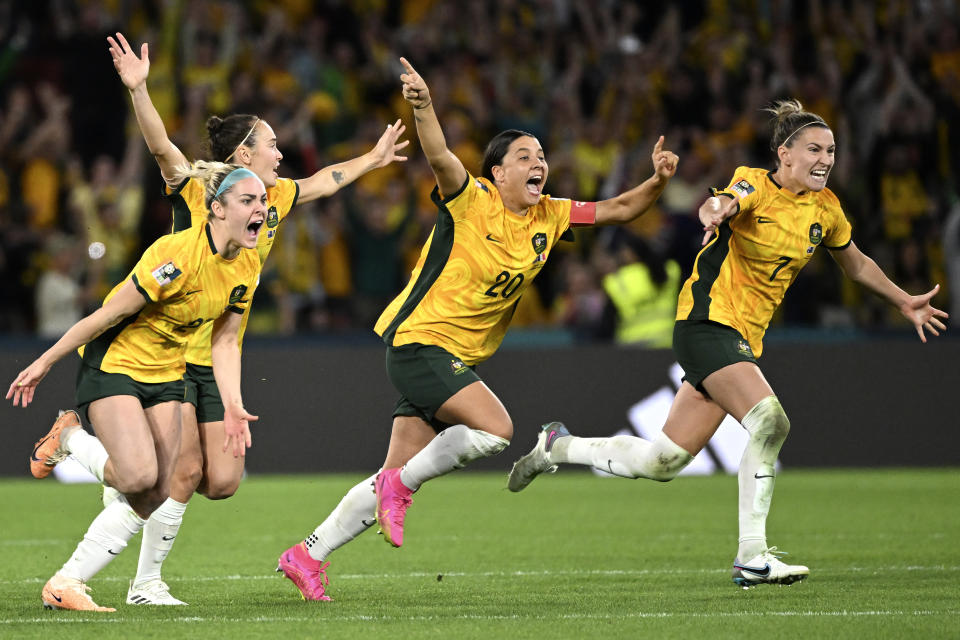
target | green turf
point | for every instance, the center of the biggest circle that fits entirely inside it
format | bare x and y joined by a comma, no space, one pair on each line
574,556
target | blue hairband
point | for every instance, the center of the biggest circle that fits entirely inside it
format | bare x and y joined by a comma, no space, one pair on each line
232,178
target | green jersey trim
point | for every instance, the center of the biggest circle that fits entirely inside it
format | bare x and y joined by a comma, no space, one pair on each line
440,247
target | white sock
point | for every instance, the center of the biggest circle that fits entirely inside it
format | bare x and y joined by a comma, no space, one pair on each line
451,449
88,451
356,513
107,537
627,456
158,536
768,426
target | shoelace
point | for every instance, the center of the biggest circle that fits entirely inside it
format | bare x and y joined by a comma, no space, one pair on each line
322,572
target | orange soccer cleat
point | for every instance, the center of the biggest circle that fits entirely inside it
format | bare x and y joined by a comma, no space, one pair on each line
49,450
69,593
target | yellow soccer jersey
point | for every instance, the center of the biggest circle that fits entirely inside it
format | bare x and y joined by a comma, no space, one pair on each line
740,278
477,262
187,285
189,209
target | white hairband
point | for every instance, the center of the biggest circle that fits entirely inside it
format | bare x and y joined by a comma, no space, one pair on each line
255,123
787,139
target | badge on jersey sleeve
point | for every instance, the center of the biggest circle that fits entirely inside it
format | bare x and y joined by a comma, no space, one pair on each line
166,274
742,189
237,294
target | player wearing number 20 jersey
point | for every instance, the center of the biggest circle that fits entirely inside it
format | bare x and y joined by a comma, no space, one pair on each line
473,269
740,278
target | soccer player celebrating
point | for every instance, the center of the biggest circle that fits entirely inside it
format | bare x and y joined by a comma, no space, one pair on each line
492,236
130,383
759,233
250,142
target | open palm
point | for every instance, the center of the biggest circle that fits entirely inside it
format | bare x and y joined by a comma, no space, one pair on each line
133,70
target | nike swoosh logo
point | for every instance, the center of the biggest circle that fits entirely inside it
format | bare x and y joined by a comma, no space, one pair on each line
763,220
762,572
57,598
368,523
758,476
492,239
168,538
33,456
112,552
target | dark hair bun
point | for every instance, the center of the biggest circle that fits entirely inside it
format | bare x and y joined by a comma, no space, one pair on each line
214,124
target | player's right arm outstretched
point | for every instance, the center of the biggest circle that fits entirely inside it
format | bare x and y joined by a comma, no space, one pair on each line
133,73
447,168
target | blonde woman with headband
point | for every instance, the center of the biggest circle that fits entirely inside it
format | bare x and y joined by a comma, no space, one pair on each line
759,232
130,385
203,464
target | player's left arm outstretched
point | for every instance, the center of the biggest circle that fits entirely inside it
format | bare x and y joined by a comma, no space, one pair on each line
859,267
329,180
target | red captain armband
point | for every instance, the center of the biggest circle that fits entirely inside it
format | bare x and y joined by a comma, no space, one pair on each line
582,213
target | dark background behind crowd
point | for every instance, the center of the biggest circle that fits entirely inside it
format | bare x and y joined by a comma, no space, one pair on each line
596,80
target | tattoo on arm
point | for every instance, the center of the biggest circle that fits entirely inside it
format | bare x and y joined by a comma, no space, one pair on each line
338,177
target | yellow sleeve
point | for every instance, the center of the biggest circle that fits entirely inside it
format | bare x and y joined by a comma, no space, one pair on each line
743,188
839,232
284,195
159,275
188,203
460,203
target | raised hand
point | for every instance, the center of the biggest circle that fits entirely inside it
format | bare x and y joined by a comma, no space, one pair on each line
415,89
664,161
918,310
133,70
387,146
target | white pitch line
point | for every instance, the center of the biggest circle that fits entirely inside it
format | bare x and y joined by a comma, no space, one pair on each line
585,616
507,574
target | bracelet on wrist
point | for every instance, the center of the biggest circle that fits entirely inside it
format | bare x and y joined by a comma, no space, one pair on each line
430,102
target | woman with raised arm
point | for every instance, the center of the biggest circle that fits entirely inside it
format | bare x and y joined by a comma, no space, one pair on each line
247,140
130,385
493,235
759,232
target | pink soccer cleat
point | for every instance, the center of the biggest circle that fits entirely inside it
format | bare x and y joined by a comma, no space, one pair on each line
308,574
393,498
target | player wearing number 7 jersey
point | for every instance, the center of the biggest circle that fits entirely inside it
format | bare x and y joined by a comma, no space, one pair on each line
492,236
760,232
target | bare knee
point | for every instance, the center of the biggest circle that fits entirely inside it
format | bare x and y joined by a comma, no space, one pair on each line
219,487
502,428
189,472
136,480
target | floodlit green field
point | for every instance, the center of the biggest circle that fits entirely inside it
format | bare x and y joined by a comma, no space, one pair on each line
574,556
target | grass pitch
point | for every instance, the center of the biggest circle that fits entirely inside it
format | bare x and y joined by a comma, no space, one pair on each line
573,556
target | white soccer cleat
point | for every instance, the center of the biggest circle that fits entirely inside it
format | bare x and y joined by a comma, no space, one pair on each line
538,460
767,568
155,592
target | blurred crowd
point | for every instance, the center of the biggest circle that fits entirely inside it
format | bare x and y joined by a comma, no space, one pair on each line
596,80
